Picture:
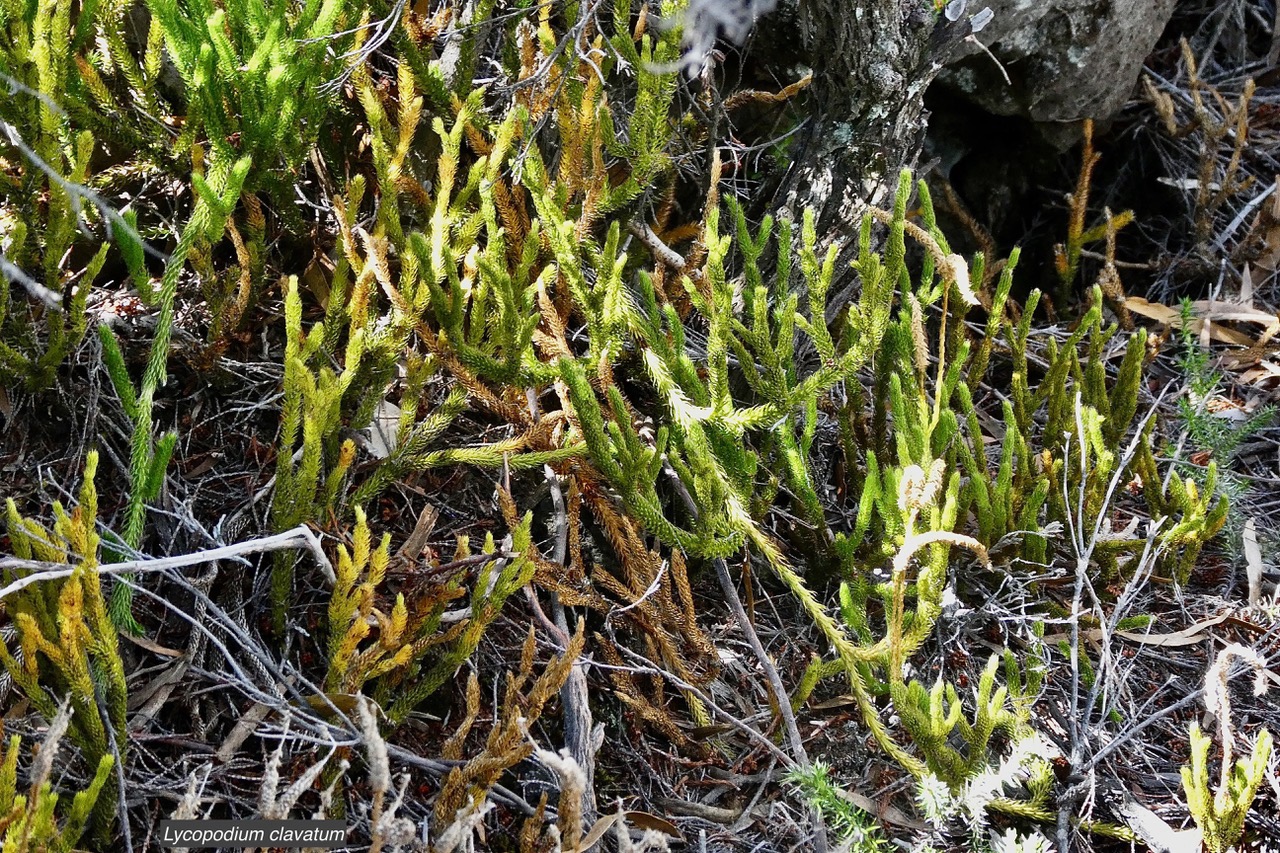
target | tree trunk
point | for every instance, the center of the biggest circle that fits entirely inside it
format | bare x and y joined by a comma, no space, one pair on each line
872,61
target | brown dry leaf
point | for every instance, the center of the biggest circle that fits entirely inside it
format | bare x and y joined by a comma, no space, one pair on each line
1186,637
647,820
1173,317
325,703
1268,224
421,535
597,831
316,278
159,687
1246,287
151,645
1252,561
245,726
886,812
1259,373
1224,311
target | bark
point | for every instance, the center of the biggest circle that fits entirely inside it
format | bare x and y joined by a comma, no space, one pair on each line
872,61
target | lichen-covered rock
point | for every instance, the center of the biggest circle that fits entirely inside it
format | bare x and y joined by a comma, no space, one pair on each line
1066,59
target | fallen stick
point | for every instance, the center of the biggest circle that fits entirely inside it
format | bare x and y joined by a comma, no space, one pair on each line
299,537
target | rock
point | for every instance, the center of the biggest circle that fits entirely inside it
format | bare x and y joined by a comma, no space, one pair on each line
1067,59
